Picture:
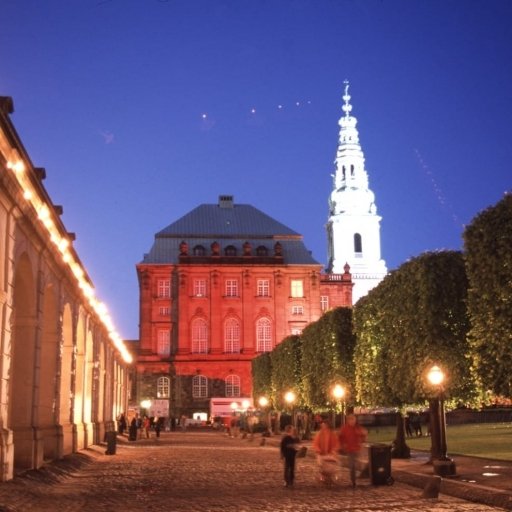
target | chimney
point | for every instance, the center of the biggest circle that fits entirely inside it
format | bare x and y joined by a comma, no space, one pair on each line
226,201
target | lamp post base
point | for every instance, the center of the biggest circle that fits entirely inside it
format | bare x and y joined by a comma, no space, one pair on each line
444,467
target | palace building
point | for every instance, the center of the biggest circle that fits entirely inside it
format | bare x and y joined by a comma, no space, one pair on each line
220,286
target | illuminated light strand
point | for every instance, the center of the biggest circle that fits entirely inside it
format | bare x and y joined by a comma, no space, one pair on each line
18,167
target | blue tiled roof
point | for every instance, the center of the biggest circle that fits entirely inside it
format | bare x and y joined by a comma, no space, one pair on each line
232,225
240,220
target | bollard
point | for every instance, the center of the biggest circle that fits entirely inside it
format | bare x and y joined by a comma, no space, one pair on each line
111,443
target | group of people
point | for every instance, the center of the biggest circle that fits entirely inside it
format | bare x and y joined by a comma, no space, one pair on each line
413,422
328,444
140,426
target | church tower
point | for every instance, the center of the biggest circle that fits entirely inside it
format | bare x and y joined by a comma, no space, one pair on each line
353,228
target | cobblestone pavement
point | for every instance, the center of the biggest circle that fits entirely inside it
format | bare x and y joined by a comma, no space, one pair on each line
203,471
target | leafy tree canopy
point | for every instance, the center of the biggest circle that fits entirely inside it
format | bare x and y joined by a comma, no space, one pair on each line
488,256
327,358
414,318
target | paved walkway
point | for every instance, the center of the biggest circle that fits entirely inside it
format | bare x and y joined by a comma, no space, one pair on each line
206,471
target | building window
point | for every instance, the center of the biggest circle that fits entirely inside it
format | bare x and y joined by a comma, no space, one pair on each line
164,311
358,244
199,250
199,386
261,251
163,387
163,342
232,385
263,335
199,287
297,288
164,288
297,310
232,336
230,250
199,337
231,288
296,331
324,302
263,288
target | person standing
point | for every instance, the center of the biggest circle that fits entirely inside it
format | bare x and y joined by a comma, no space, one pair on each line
121,424
157,426
288,454
132,432
351,438
146,425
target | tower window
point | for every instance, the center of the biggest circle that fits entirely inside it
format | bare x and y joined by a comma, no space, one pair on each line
358,244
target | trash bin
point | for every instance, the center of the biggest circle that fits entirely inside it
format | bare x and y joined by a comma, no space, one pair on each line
111,442
379,464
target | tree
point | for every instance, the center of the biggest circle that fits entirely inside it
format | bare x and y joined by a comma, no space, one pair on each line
488,256
261,377
414,318
327,357
286,371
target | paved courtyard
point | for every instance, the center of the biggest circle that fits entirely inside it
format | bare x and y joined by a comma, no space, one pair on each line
203,471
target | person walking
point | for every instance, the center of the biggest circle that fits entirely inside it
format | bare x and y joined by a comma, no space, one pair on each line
325,444
289,443
351,439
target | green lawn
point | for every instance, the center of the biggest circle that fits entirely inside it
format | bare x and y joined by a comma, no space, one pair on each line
491,440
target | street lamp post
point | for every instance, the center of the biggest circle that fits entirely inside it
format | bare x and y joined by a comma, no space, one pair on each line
145,405
338,392
290,398
263,403
443,465
233,431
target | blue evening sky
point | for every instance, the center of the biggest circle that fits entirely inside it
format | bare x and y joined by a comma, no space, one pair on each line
109,97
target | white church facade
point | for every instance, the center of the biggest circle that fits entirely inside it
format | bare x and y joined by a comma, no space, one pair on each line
353,227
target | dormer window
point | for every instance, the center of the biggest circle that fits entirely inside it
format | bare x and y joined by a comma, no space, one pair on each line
199,250
230,250
261,251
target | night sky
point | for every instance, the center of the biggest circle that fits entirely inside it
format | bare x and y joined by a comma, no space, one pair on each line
140,110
